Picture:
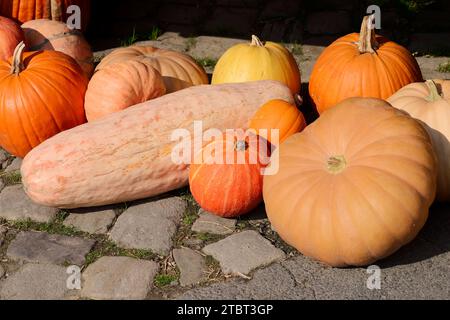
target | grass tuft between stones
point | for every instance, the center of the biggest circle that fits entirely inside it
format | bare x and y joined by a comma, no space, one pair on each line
207,62
11,178
444,67
163,280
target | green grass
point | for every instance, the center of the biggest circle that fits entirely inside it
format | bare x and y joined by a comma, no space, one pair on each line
190,43
163,280
444,67
11,178
207,62
155,33
134,37
130,40
105,247
297,49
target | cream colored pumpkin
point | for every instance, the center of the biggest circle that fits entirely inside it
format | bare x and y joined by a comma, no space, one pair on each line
257,61
430,103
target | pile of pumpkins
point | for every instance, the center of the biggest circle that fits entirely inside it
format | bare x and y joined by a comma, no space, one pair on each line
348,189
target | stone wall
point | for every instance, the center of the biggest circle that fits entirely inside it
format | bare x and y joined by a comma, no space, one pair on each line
287,20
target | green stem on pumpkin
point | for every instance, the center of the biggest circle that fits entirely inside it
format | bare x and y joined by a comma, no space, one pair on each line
336,164
434,93
256,41
367,39
17,65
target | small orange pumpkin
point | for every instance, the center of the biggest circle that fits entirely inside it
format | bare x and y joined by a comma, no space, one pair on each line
41,94
226,176
277,115
10,36
361,65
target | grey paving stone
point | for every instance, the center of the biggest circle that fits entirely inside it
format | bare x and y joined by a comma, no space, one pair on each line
210,223
118,278
243,252
150,225
2,185
14,166
36,282
2,271
15,205
191,264
43,247
91,220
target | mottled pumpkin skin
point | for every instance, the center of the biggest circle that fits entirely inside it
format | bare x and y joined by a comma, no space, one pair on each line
341,72
229,188
45,34
354,186
46,98
434,111
26,10
128,154
122,85
10,36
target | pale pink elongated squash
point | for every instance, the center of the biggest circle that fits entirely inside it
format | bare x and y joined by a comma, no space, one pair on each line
127,155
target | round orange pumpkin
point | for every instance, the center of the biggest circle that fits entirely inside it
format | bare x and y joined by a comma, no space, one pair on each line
10,36
361,65
54,35
121,85
277,115
179,70
354,186
430,103
26,10
41,94
226,175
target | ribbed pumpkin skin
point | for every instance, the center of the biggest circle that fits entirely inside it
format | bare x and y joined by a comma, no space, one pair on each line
277,114
120,86
361,210
179,70
53,35
255,61
435,113
46,98
229,189
10,36
26,10
342,72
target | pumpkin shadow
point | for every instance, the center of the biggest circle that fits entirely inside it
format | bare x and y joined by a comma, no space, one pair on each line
432,240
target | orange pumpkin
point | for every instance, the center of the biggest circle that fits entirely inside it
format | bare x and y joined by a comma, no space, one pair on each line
10,36
26,10
41,94
355,185
277,115
226,176
53,35
361,65
122,85
179,70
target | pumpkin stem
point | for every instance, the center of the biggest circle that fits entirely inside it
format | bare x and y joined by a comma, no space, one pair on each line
241,145
17,62
256,41
336,164
367,39
434,93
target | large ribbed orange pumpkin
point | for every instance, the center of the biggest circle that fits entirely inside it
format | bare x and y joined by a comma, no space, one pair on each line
26,10
122,85
41,94
355,185
179,70
226,176
10,36
361,65
430,102
277,115
46,34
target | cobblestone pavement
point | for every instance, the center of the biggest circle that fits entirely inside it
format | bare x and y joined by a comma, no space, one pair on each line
168,248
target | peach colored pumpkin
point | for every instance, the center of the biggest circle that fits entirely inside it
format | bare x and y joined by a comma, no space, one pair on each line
10,36
354,186
121,85
179,70
430,103
128,155
54,35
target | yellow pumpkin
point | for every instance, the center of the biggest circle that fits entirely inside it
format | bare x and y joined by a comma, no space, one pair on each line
257,61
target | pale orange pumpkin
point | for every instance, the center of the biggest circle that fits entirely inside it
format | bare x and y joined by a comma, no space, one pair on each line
277,115
46,34
122,85
361,65
10,36
179,70
355,185
430,102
